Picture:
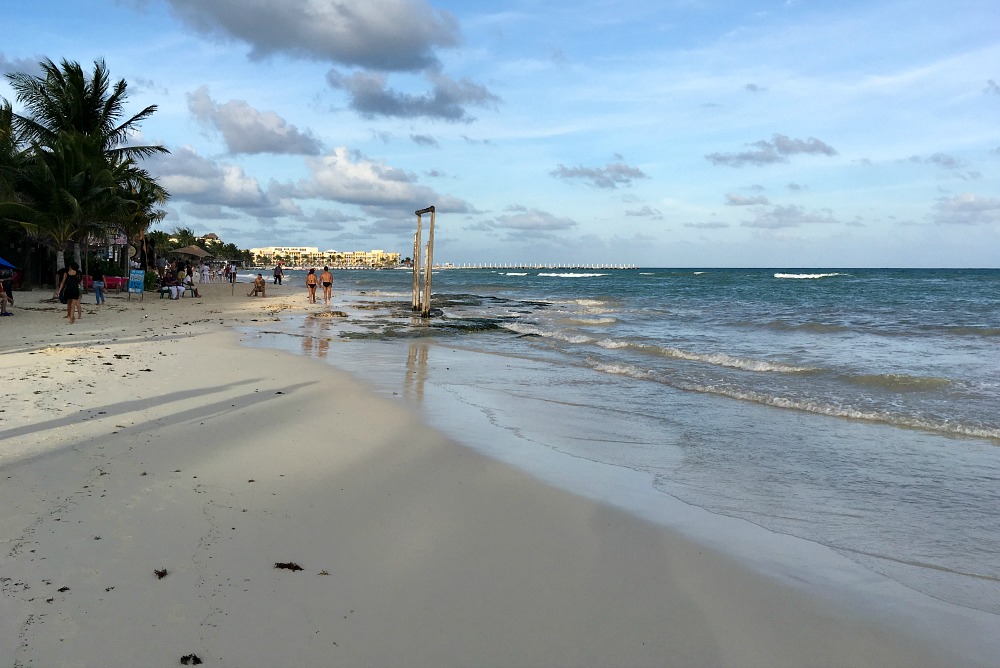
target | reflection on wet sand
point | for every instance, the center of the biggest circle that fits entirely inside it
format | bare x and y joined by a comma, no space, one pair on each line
315,342
416,371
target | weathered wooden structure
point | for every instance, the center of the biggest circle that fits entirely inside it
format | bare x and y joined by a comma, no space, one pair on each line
422,303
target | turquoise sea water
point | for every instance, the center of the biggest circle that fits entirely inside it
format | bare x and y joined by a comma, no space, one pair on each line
855,408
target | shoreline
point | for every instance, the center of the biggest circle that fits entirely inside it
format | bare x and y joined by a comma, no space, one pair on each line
145,438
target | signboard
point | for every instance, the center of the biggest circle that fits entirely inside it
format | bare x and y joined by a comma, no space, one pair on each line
136,281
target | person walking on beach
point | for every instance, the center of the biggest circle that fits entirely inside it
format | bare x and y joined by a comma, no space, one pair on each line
326,278
70,289
97,280
311,285
278,274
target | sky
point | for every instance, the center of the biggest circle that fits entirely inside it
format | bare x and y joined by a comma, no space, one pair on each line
659,133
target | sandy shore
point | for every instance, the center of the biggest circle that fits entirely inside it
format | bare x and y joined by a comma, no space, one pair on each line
153,473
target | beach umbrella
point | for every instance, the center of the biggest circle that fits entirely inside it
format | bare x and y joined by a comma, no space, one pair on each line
5,263
192,251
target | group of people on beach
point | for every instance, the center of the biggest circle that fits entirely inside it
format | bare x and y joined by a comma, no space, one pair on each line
326,278
204,272
176,278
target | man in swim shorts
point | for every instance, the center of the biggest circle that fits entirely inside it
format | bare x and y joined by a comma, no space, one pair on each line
326,278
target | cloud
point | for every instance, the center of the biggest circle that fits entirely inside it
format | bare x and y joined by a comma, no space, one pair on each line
992,88
30,66
327,220
645,212
754,88
522,222
208,212
349,177
769,152
707,226
196,180
610,176
191,177
740,200
247,130
967,209
389,35
371,96
942,160
424,140
788,216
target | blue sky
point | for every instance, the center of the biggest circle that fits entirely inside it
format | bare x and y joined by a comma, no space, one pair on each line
663,133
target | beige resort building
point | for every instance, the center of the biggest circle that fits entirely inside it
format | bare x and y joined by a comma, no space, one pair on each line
311,256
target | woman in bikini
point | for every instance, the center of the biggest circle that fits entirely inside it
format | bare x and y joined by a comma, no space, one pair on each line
326,278
311,285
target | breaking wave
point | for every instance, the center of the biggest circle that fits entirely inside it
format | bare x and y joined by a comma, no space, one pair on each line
809,276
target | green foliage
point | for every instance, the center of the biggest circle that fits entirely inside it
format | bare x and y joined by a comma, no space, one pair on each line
67,170
151,281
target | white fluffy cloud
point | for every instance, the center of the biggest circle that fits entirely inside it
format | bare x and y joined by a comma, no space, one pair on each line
247,130
967,209
349,177
195,180
398,35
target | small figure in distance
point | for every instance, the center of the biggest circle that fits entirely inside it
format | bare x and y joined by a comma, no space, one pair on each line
259,287
311,285
97,281
278,274
188,283
326,278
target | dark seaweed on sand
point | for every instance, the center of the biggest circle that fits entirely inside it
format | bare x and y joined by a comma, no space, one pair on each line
288,565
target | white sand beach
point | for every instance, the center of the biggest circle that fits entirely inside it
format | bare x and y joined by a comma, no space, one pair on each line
153,473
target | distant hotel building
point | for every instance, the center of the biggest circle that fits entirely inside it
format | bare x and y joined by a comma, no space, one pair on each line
310,256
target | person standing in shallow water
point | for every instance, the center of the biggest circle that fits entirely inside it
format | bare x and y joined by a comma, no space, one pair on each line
70,288
326,278
278,274
311,282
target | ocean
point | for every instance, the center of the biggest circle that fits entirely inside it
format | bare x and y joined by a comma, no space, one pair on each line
858,409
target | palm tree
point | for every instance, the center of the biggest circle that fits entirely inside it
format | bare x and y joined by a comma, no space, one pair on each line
65,192
12,154
65,100
184,236
141,210
81,169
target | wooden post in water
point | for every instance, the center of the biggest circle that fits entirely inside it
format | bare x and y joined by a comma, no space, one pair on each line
416,266
425,303
425,311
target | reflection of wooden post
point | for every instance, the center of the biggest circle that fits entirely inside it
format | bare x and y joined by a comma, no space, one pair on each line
425,311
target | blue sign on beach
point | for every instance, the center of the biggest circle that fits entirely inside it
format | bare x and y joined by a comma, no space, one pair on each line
136,281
